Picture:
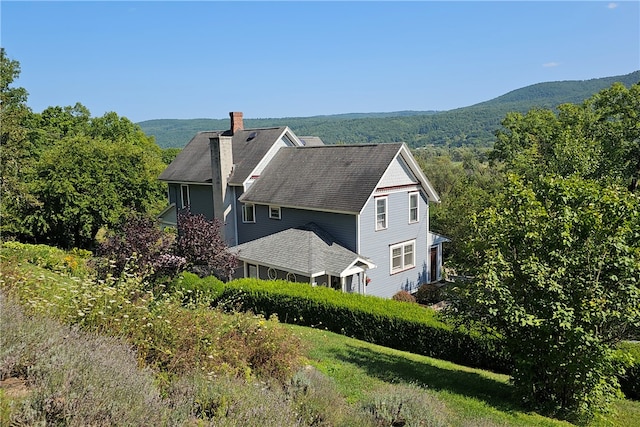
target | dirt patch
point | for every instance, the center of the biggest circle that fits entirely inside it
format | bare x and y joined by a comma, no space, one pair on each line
14,388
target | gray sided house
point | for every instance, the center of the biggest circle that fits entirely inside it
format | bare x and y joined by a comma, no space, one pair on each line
352,217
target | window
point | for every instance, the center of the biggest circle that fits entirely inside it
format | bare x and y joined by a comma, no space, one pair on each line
291,277
413,207
252,271
402,256
184,196
274,212
272,273
381,213
248,212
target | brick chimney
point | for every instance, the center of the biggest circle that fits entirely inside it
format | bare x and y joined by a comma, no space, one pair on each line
236,121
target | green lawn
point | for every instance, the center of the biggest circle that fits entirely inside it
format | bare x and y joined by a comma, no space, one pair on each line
474,397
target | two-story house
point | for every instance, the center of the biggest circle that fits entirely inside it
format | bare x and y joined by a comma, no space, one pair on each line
353,217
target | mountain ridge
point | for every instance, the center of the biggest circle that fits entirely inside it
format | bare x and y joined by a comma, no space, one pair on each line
473,125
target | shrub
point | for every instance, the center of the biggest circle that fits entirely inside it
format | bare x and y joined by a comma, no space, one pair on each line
428,294
75,378
630,381
196,290
138,238
404,296
318,402
200,242
389,323
399,405
226,401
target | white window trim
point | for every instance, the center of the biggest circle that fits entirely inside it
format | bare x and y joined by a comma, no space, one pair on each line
182,193
273,209
245,206
403,266
417,197
386,212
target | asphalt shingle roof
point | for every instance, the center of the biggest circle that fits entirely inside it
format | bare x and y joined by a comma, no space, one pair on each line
249,146
308,249
338,178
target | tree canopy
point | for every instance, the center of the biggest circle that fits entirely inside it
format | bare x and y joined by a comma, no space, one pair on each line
555,258
65,174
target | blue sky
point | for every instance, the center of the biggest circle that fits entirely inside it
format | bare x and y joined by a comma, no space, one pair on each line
156,60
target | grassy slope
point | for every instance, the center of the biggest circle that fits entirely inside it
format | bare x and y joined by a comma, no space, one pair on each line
472,397
475,397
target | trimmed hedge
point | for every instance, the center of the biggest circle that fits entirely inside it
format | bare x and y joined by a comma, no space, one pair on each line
389,323
196,289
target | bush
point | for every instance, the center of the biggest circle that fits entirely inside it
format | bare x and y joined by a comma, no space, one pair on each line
630,381
74,378
389,323
196,290
399,405
428,294
318,401
404,296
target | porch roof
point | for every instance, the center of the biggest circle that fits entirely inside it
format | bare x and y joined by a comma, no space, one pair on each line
306,250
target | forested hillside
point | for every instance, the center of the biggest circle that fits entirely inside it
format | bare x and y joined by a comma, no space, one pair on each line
469,126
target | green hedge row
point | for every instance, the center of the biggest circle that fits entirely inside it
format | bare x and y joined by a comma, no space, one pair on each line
389,323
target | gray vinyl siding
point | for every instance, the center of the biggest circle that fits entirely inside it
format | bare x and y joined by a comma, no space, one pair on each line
376,244
200,197
341,226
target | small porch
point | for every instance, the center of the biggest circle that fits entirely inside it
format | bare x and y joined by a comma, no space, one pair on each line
304,254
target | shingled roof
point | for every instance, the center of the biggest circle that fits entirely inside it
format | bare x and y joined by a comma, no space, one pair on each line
339,178
308,250
249,146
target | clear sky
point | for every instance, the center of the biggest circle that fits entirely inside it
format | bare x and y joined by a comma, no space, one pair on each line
160,60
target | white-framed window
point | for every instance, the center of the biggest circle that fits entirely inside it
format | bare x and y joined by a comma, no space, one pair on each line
381,213
252,271
413,207
291,277
274,212
184,196
272,273
248,212
403,256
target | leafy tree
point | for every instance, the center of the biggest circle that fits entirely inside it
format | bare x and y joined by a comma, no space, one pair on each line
599,139
85,183
557,276
201,243
465,187
15,149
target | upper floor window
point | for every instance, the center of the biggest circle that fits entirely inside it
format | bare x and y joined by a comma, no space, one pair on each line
184,196
403,256
381,213
274,212
413,207
248,212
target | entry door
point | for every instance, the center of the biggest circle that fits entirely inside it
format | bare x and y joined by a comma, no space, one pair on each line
434,264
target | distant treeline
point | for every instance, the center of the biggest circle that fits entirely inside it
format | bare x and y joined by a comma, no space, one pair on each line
472,126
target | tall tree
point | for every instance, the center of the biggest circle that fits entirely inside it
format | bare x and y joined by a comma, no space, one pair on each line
85,183
557,276
15,149
599,139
